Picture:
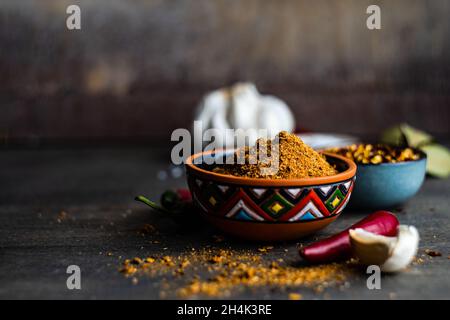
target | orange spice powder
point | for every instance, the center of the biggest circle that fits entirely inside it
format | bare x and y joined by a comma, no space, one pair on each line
296,160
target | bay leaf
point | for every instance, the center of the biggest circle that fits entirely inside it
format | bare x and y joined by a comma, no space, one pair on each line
393,136
438,160
415,137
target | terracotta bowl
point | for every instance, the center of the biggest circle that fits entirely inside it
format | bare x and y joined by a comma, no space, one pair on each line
268,209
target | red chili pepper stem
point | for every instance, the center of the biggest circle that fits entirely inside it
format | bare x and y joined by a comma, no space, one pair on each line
151,204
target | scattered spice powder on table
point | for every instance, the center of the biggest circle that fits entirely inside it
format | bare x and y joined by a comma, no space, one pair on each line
62,216
296,160
225,271
295,296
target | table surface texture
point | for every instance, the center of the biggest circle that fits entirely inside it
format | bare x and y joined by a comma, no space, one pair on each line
96,187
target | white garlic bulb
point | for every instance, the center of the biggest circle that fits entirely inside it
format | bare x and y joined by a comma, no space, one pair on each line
243,107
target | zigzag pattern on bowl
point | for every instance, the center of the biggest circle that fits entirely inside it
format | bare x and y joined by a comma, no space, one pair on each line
284,204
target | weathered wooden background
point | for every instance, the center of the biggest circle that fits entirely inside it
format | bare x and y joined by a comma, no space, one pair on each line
138,68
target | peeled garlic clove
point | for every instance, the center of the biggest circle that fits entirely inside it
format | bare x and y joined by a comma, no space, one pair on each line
404,250
371,248
392,254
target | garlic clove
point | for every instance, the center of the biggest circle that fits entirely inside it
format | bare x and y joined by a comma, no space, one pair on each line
275,115
244,106
213,105
392,254
404,250
371,248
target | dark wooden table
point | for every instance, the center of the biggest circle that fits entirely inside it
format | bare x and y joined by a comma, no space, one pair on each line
96,187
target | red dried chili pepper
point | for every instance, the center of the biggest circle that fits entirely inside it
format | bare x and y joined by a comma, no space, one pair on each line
338,247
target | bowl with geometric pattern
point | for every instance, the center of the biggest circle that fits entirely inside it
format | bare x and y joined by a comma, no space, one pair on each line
268,209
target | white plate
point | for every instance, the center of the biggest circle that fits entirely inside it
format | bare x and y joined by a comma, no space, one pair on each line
320,141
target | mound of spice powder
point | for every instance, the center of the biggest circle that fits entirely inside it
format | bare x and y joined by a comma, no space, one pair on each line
296,160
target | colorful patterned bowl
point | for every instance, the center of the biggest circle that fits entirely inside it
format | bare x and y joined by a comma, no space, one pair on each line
268,209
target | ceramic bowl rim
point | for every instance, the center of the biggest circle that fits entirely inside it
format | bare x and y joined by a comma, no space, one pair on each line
348,174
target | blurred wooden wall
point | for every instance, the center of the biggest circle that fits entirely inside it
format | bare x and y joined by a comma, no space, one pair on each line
138,68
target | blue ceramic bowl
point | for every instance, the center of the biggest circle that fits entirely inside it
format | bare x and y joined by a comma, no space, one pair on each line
388,184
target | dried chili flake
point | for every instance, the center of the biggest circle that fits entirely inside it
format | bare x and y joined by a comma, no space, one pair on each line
376,153
433,253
